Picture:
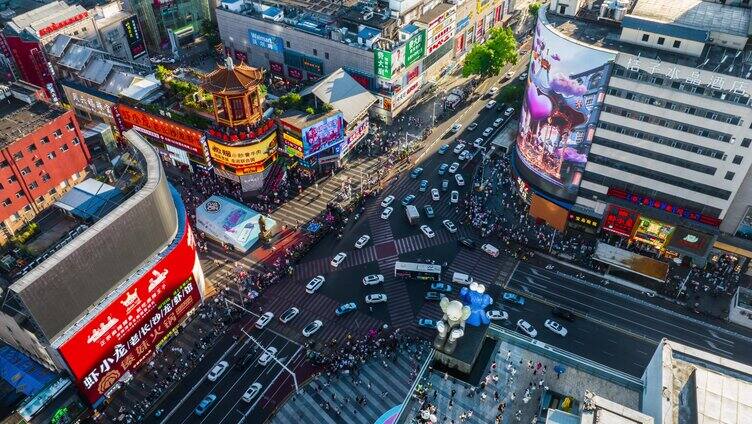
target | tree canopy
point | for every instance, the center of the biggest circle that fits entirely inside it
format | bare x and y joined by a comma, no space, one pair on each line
488,58
533,8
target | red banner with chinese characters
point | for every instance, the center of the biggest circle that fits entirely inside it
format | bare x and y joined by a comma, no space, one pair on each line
127,330
619,220
163,129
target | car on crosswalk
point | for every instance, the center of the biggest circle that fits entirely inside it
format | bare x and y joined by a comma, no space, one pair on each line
423,186
362,241
289,314
315,284
555,327
345,308
312,327
449,226
527,328
372,279
268,356
252,392
458,148
217,371
467,242
459,179
497,315
432,295
444,185
443,149
338,259
387,201
376,298
455,166
454,197
427,231
435,196
264,319
441,287
429,211
465,155
416,172
426,323
443,168
408,199
387,212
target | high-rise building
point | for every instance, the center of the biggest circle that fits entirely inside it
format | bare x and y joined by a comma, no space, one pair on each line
168,25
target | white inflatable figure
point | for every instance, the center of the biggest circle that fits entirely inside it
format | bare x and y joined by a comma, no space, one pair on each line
452,325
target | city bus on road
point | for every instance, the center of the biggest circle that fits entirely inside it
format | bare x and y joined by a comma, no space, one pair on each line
414,271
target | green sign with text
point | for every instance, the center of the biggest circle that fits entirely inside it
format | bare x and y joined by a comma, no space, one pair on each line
382,63
416,48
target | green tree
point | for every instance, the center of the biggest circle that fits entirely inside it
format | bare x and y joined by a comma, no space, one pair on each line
162,73
533,8
488,59
210,32
479,61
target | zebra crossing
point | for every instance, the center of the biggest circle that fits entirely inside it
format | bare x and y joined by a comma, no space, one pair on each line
479,265
420,241
399,305
322,266
381,231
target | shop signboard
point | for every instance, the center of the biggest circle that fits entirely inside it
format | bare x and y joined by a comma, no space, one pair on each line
125,333
382,63
619,220
266,41
133,37
354,135
648,201
312,65
415,47
295,73
162,129
293,146
276,68
690,241
244,156
653,232
583,223
463,23
323,134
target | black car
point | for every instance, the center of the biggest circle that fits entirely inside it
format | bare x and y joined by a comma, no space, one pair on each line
467,242
565,314
501,107
247,360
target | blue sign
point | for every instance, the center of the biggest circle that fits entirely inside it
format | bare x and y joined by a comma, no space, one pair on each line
463,23
266,41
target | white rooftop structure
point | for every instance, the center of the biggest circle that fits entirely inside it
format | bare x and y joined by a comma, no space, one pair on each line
704,15
344,93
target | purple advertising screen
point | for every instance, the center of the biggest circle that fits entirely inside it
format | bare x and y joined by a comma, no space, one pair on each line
565,89
323,134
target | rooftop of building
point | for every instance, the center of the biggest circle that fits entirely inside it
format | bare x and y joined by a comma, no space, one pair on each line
605,34
437,11
232,78
43,16
599,410
698,14
19,119
344,93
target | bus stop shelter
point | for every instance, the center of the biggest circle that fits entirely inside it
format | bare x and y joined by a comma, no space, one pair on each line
631,263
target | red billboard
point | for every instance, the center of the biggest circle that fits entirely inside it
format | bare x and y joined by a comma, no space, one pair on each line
619,220
162,129
125,332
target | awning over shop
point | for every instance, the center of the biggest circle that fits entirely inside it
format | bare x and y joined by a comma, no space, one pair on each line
231,222
630,261
21,372
691,243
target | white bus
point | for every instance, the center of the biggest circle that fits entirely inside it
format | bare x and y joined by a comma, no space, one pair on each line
416,271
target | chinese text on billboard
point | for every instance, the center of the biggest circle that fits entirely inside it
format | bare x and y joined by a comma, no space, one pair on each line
415,48
323,134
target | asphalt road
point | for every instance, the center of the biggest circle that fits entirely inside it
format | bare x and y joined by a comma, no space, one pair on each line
628,314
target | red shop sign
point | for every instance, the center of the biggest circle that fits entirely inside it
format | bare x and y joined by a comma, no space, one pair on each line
619,220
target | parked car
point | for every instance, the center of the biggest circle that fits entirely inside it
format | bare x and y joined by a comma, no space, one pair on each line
509,111
217,370
373,279
472,126
345,308
454,197
492,91
435,196
432,295
513,298
362,241
444,185
315,284
443,149
487,131
455,128
338,259
441,287
429,211
443,168
427,231
455,166
498,121
497,315
408,199
527,328
458,148
555,327
491,104
523,76
289,314
312,327
416,172
423,186
478,142
264,319
459,179
449,226
252,392
205,404
387,212
426,323
387,201
564,314
269,354
376,298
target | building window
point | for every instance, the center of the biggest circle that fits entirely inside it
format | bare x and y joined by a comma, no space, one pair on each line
737,159
32,148
3,164
46,177
326,55
26,171
45,140
51,155
69,126
315,52
7,201
661,40
75,141
19,194
287,44
64,148
53,191
58,133
40,199
33,185
645,37
746,142
39,163
27,208
17,156
729,176
677,43
12,179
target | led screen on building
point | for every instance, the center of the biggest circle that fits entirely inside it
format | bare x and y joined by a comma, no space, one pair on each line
323,134
565,88
120,337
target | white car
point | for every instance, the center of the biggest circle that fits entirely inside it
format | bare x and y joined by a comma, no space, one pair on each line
493,90
427,231
264,319
464,155
527,328
455,128
435,194
387,212
509,111
491,104
487,131
315,284
459,179
523,76
267,356
362,241
372,279
509,75
376,298
312,327
455,166
338,259
289,314
449,226
490,249
497,315
472,126
458,148
478,142
387,201
252,392
498,121
217,371
454,197
555,327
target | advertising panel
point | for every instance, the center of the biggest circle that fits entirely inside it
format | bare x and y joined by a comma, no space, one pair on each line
313,65
560,108
382,63
169,132
295,73
293,146
323,134
231,222
441,29
619,220
242,156
653,232
276,68
266,41
415,47
690,241
125,333
133,37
